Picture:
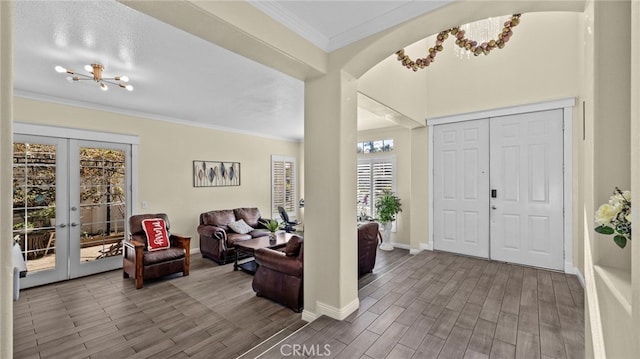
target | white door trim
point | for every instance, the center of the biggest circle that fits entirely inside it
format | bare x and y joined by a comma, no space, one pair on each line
566,105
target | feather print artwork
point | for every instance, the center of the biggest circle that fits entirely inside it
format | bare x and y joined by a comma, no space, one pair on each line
232,173
215,173
223,172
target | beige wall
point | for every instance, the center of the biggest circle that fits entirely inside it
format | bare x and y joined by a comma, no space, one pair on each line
6,180
606,154
166,152
402,151
539,64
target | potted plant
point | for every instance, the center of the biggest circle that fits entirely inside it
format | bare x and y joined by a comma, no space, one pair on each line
46,215
387,207
272,226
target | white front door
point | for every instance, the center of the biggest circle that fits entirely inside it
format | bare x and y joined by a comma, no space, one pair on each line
527,176
460,188
498,188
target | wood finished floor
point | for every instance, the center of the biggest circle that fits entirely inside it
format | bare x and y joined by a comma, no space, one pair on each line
441,305
212,313
432,305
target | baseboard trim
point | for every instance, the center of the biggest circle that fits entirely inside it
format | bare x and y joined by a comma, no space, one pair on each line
413,252
426,246
575,271
308,316
336,313
401,245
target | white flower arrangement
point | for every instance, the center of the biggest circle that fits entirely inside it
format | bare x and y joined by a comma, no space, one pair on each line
614,217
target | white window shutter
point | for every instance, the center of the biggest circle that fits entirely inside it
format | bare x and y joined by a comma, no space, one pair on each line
283,185
374,175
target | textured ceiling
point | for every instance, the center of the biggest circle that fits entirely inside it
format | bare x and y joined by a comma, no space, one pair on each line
176,76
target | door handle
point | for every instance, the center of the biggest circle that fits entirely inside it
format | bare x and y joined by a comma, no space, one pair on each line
62,225
494,207
74,224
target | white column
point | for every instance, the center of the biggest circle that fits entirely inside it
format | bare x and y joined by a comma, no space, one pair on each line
6,148
330,235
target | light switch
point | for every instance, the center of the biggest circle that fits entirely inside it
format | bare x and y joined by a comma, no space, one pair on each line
143,205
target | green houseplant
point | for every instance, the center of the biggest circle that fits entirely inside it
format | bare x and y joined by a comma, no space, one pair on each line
272,226
388,206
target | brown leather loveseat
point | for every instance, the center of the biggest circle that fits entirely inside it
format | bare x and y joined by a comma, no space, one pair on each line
279,274
217,239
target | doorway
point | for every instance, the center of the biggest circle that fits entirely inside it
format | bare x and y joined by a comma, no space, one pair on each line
71,198
498,188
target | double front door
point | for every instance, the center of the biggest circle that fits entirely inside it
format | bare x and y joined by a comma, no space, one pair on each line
69,206
498,188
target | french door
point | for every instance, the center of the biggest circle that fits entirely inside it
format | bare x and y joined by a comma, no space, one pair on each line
70,202
498,188
461,188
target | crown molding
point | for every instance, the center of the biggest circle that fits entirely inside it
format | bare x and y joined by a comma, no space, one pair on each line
146,115
293,22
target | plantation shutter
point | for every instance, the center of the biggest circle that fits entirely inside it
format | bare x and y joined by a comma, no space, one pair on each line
283,185
374,175
364,195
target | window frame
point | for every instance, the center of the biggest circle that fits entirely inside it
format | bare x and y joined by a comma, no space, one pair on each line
293,201
371,161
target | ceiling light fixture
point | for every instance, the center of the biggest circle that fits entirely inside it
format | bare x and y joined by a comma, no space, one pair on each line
96,75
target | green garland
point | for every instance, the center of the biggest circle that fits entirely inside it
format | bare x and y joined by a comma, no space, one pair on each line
462,42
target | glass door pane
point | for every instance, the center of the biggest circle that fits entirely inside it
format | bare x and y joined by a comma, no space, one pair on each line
100,201
36,174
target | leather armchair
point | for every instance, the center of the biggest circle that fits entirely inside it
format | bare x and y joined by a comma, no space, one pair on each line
279,274
141,264
368,236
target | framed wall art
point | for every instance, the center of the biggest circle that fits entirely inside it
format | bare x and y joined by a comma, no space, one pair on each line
216,173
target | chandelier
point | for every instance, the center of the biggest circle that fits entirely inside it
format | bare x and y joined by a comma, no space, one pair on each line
96,75
481,31
465,44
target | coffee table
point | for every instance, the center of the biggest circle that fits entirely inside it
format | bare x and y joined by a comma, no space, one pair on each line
250,246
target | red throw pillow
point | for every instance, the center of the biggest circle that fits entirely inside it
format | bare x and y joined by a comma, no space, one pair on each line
156,231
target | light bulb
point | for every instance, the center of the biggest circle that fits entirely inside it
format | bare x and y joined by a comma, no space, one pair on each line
88,68
60,69
103,86
129,88
124,78
69,79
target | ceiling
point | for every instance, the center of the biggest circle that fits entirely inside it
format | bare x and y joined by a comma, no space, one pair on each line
171,70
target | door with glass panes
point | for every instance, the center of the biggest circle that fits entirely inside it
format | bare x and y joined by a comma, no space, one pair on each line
70,204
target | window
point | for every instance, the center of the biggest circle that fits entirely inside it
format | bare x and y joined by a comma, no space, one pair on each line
283,185
375,146
374,175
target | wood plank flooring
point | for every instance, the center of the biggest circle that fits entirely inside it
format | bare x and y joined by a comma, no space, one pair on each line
441,305
212,313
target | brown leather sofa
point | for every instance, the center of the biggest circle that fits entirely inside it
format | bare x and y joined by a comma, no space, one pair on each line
279,274
142,264
368,236
217,240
